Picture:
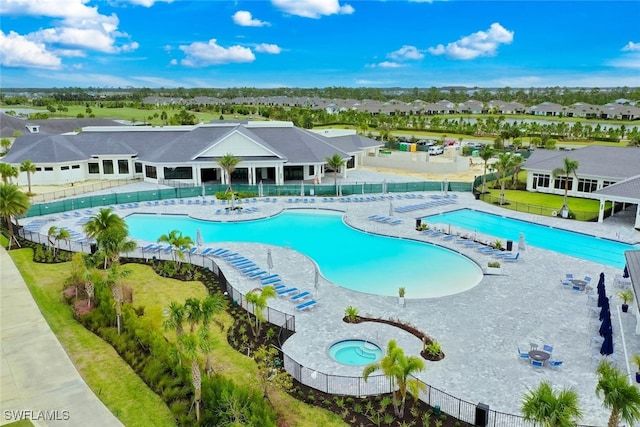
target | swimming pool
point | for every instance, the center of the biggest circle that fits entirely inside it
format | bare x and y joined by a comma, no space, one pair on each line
579,245
347,257
355,352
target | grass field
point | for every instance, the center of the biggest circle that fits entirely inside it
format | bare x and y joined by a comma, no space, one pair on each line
113,381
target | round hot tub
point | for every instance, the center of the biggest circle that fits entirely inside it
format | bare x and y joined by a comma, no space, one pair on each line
355,352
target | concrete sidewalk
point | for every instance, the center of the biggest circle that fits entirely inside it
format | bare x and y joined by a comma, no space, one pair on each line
37,379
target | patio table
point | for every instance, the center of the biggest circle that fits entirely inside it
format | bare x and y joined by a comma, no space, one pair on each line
539,355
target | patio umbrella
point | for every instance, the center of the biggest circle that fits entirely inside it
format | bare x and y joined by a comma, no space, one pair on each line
316,279
606,327
390,208
269,260
204,192
625,273
605,308
233,202
260,190
301,188
384,186
607,346
521,243
198,238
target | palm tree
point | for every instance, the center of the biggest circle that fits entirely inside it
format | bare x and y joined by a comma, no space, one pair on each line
548,409
116,272
228,163
396,366
61,234
189,344
170,238
259,297
194,312
516,166
503,165
7,172
29,168
176,318
13,203
485,154
110,232
620,396
335,162
568,168
51,234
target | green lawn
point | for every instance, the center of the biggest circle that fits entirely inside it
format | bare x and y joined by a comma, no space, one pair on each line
121,390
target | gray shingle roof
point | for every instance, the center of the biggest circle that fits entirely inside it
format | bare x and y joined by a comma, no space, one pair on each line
598,161
628,189
174,145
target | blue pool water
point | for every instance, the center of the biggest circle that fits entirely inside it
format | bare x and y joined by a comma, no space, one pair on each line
355,352
345,256
579,245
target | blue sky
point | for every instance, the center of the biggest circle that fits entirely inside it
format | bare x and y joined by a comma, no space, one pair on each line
319,43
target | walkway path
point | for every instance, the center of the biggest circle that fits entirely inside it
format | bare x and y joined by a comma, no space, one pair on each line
37,379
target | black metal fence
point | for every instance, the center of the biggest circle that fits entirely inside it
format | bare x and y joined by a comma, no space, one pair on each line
542,210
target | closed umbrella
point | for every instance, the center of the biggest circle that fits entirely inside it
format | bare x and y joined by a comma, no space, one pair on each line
269,260
199,241
605,327
316,280
625,273
260,190
605,308
521,246
607,345
390,208
233,202
301,188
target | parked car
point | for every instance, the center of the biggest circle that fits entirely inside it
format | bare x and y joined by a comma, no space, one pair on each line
434,150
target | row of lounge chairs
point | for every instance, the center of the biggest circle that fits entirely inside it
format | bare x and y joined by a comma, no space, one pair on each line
426,205
385,220
470,243
252,271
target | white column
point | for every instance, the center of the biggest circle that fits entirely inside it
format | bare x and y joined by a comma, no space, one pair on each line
637,224
601,211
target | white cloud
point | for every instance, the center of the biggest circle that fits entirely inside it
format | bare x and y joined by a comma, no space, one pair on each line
481,43
199,54
388,64
244,19
78,25
145,3
313,8
18,51
406,53
268,48
630,61
631,47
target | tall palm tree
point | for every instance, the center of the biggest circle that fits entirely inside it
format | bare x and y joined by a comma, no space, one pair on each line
619,395
485,154
61,234
29,168
7,172
335,162
503,165
113,280
568,168
190,346
258,297
170,238
516,166
110,232
396,366
194,312
13,203
543,406
176,318
228,163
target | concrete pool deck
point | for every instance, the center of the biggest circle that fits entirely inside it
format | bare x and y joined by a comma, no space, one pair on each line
479,330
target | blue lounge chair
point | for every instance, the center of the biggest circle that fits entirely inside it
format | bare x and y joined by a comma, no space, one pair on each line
300,296
257,274
555,363
228,256
287,291
537,363
449,237
271,276
206,251
396,222
512,258
148,247
273,281
219,252
306,305
252,269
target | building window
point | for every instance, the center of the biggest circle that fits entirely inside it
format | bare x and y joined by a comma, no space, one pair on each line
38,169
107,167
541,180
138,167
182,172
75,166
559,183
587,185
312,170
94,168
293,173
123,167
64,168
48,169
151,172
607,183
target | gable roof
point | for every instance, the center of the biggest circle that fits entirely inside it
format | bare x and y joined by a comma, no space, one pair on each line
610,162
626,189
178,144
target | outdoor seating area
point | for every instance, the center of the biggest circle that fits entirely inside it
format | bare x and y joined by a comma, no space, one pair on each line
539,358
436,201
